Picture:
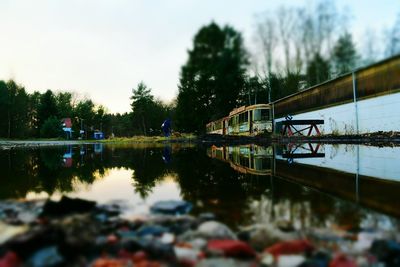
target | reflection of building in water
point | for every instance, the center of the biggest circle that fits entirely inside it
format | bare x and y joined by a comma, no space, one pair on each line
363,174
252,159
357,174
98,148
67,157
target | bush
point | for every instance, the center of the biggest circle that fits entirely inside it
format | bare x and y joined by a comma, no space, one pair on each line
51,128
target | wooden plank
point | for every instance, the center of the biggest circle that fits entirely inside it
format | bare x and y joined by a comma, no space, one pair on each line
302,122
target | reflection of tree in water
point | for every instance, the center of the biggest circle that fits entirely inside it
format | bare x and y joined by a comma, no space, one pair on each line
18,173
210,184
221,189
148,169
38,170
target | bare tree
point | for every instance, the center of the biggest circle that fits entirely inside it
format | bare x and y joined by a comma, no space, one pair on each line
371,50
286,21
393,39
266,34
327,24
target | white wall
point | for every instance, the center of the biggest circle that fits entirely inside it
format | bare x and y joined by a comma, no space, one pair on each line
375,114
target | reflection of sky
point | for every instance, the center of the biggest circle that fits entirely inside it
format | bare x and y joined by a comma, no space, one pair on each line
377,162
69,44
116,186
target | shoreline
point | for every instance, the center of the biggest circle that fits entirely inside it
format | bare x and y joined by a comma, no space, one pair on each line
375,139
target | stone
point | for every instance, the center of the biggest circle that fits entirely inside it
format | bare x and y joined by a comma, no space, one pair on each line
9,231
186,254
67,206
231,248
48,256
172,207
387,251
290,247
215,230
224,262
167,238
152,230
104,262
37,237
10,259
198,243
266,259
262,236
342,261
206,216
290,260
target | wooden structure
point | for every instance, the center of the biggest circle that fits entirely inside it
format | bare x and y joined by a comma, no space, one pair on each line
290,127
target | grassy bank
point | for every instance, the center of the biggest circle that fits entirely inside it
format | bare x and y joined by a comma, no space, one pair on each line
12,143
149,139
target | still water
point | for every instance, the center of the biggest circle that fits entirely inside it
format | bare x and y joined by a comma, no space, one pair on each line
309,185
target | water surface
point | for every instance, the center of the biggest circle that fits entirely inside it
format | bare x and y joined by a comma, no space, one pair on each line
309,185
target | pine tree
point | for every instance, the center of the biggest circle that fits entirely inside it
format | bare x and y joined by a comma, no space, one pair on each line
344,54
213,77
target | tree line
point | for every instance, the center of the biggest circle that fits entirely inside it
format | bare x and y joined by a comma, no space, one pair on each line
40,115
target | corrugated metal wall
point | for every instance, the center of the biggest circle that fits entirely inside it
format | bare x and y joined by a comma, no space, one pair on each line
378,79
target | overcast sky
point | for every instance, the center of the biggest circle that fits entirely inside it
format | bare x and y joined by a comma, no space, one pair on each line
104,48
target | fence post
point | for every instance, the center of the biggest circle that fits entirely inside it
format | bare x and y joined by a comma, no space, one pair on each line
355,100
273,117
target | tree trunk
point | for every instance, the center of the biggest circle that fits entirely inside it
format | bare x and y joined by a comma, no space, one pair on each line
144,126
9,124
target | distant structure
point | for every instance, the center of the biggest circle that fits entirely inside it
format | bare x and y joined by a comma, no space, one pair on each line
67,127
98,135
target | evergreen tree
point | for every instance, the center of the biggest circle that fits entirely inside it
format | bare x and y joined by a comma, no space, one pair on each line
141,106
213,77
14,103
51,128
344,54
64,105
3,109
84,113
318,70
47,107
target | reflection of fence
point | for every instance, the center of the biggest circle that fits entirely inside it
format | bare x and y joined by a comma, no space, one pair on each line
378,79
306,151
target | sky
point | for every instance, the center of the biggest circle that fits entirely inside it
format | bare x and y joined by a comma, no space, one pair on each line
101,49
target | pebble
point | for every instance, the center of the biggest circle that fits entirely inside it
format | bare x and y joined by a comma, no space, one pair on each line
214,229
9,231
48,256
98,236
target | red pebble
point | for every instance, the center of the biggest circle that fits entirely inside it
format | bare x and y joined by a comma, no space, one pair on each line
10,259
342,261
139,256
231,248
112,239
146,263
136,257
110,263
290,247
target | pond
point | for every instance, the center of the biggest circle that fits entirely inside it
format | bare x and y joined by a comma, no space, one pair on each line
309,185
